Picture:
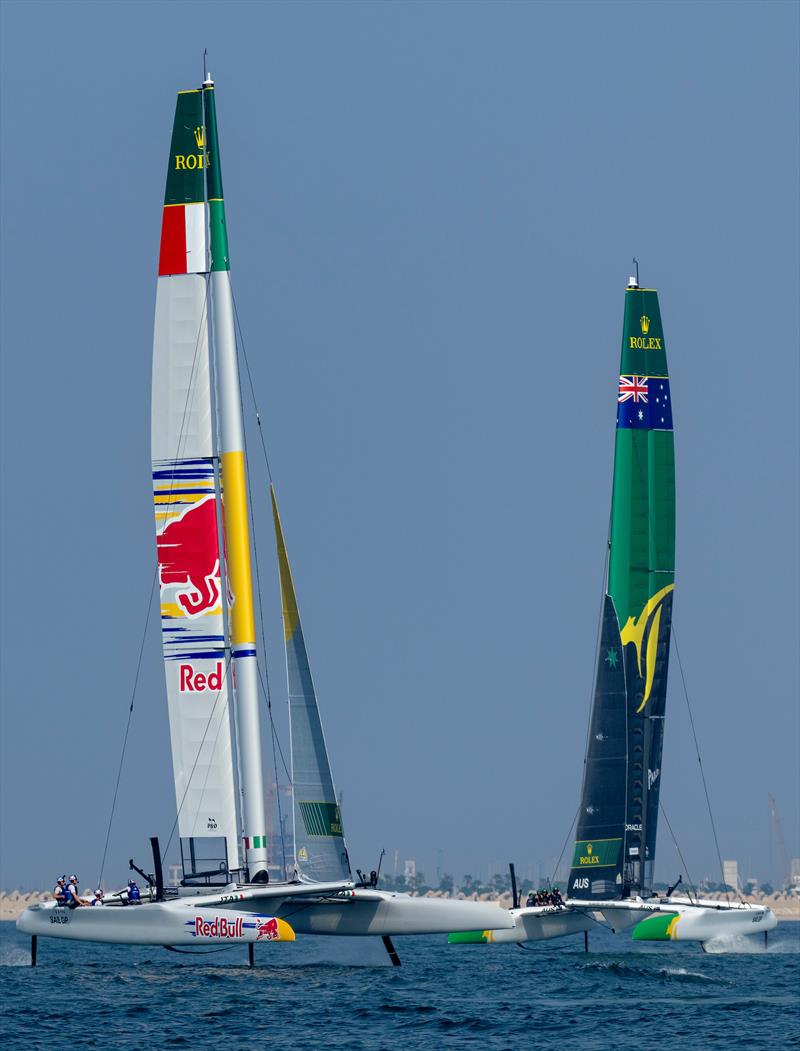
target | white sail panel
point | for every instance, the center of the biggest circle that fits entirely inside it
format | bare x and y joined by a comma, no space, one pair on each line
185,499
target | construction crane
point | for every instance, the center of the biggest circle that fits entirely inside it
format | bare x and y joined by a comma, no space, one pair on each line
776,830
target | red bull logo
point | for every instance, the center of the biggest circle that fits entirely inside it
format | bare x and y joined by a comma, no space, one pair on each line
267,931
220,927
188,557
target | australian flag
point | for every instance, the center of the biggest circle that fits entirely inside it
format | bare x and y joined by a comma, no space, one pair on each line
644,402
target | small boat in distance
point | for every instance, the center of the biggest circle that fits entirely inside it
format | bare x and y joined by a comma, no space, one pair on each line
615,844
200,491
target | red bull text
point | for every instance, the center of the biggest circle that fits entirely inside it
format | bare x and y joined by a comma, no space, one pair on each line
192,681
221,927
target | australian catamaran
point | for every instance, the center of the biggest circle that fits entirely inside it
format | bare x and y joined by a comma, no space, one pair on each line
615,845
209,637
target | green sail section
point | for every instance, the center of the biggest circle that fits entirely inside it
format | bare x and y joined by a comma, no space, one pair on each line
619,801
187,157
220,259
320,851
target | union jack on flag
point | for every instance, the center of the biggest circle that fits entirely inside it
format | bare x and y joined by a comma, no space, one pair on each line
633,387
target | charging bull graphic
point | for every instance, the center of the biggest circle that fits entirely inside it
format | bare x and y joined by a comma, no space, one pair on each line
188,557
268,931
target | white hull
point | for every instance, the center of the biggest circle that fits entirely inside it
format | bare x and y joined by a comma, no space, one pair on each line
249,914
543,923
680,920
156,923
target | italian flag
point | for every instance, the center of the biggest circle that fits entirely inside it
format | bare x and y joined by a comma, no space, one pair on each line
183,240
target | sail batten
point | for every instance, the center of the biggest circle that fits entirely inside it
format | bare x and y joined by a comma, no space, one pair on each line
320,851
615,841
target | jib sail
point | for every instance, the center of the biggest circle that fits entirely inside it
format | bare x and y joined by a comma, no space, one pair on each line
186,509
616,832
320,851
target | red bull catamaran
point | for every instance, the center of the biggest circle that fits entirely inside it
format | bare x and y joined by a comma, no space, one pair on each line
611,877
200,490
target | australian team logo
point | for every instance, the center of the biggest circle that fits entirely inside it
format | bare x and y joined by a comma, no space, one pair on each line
646,625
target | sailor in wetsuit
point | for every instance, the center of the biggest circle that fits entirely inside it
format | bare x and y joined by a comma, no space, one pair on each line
60,891
74,899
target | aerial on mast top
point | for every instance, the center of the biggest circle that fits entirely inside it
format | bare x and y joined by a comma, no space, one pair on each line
207,81
633,282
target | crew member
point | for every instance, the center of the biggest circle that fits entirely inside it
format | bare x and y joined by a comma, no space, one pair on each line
74,899
60,891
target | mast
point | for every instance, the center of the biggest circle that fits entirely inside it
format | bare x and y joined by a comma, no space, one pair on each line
235,510
189,545
616,834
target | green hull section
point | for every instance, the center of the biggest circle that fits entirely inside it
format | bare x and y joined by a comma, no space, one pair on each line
655,928
468,938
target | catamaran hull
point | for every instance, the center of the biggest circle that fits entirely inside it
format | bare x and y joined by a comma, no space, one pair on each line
153,924
673,921
385,914
705,925
531,925
240,915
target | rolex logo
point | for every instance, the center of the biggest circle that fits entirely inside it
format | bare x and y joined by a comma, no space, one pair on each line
200,139
644,321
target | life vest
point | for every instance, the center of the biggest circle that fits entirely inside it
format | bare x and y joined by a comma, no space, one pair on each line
134,893
60,894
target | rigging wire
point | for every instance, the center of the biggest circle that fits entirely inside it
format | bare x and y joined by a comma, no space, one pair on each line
691,882
564,847
654,541
181,442
127,727
200,747
700,764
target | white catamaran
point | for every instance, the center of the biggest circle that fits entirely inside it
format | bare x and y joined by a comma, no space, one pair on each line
209,637
611,877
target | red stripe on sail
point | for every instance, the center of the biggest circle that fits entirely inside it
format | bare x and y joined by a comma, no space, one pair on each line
172,258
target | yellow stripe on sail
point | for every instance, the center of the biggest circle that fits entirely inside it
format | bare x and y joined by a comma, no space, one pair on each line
291,618
237,539
181,498
172,609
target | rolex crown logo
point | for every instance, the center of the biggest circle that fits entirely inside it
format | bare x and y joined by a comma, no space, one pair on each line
200,138
644,321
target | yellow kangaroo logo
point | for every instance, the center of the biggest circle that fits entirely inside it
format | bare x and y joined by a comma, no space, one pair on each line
634,632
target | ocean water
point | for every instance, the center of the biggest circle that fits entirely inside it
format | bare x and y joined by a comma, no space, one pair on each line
342,993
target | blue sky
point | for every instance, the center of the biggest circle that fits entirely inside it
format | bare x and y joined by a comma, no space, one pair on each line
432,209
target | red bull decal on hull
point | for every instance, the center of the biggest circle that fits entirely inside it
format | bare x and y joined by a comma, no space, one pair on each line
267,931
220,927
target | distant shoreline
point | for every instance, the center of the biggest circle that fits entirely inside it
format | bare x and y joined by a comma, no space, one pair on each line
785,906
